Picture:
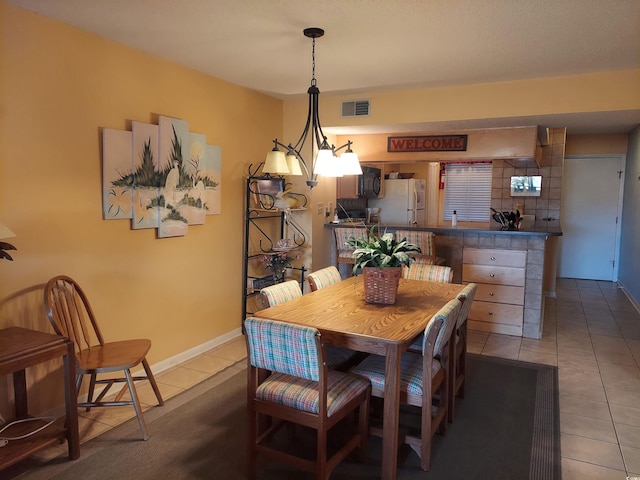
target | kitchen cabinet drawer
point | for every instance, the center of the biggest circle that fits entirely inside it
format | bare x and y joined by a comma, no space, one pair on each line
493,275
499,302
491,256
515,330
497,313
500,294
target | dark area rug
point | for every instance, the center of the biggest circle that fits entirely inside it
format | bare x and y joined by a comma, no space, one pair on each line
507,427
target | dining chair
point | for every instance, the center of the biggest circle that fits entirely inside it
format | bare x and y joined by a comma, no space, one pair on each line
428,272
427,243
459,341
342,234
338,358
280,292
71,316
423,377
289,381
323,278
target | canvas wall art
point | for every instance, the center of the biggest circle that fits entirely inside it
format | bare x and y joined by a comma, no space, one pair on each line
144,177
160,176
117,196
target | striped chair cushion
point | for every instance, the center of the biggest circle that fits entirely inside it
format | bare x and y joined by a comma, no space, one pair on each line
410,372
325,277
344,234
283,347
427,243
303,394
431,273
281,292
466,296
425,240
449,315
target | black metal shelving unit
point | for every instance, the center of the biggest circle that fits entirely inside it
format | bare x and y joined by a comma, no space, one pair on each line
260,209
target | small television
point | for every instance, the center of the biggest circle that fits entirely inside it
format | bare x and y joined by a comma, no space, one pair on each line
526,186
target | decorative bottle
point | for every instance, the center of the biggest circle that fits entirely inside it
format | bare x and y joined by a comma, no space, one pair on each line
454,219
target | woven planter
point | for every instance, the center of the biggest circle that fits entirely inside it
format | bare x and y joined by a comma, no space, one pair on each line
381,284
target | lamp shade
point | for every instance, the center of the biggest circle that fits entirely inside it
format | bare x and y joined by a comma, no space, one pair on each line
5,232
294,165
327,164
350,164
275,163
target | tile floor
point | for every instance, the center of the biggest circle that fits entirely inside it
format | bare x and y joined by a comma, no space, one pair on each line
591,332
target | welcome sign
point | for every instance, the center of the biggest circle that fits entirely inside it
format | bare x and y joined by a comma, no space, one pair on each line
427,143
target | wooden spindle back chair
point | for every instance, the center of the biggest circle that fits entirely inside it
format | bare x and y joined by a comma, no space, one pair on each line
71,316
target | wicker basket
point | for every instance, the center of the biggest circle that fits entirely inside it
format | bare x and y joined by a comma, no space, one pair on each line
381,284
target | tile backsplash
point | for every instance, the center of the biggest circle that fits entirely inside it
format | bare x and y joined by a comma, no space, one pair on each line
546,207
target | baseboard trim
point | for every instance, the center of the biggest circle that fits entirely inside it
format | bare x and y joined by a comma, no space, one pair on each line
633,301
160,367
193,352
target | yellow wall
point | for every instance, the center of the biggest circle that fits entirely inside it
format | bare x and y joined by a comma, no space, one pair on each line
59,87
595,92
597,144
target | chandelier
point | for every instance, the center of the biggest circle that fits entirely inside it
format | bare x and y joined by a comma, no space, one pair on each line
326,161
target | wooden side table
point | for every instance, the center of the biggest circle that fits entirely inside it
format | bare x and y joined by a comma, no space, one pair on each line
21,348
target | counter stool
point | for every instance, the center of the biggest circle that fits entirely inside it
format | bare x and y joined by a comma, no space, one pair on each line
427,243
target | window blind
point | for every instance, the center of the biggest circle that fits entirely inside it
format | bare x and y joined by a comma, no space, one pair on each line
467,190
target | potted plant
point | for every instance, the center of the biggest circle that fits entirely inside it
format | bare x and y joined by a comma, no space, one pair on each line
381,258
277,263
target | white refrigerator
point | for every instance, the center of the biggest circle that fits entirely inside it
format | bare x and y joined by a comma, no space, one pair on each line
403,203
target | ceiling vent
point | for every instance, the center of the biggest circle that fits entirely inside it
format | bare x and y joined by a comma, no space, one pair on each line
355,108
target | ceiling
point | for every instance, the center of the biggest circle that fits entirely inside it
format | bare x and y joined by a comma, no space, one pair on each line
377,44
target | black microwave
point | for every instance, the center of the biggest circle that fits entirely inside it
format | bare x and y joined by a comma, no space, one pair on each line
369,182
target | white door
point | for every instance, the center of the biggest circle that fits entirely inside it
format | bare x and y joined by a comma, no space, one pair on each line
590,209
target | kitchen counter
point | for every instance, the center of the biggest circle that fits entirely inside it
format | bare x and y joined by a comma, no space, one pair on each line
447,230
537,244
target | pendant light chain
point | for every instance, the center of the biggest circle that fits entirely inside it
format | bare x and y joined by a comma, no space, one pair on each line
323,155
313,62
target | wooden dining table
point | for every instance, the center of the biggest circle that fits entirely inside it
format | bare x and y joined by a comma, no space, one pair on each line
343,318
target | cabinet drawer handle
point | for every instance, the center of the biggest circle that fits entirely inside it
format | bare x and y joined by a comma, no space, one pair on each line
492,275
493,258
491,294
491,313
